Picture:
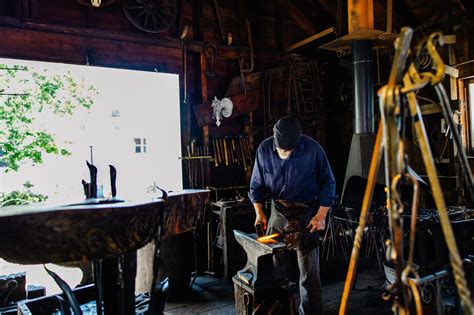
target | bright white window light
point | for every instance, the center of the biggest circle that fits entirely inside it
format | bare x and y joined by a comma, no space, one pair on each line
130,105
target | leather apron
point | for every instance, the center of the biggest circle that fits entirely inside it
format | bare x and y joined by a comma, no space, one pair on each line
290,219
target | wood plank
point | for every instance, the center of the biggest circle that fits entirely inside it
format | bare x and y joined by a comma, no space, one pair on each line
139,39
452,79
311,39
430,109
57,47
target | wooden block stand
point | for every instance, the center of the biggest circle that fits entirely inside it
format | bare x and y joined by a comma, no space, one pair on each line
272,298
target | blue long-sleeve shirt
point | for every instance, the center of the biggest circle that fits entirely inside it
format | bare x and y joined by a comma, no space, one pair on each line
305,176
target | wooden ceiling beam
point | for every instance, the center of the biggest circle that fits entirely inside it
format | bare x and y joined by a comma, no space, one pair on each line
301,20
310,39
224,52
330,6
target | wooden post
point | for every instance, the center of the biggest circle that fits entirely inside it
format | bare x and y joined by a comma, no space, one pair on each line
360,14
389,16
205,129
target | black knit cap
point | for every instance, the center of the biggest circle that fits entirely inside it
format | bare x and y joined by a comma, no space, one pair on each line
286,132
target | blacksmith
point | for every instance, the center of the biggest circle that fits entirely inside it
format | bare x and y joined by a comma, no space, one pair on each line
292,169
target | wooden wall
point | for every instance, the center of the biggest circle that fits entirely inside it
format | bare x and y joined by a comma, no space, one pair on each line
69,32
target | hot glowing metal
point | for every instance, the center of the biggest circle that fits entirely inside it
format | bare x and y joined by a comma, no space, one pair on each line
268,238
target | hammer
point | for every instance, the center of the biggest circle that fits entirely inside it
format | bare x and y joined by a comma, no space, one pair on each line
259,229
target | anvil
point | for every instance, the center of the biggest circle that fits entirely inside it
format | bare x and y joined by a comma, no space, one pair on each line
259,268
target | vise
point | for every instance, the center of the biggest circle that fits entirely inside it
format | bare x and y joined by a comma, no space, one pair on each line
257,290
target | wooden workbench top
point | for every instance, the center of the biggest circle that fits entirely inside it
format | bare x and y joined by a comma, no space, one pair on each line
43,233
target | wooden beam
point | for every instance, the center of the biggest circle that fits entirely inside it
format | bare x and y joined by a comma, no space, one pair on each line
452,79
389,16
451,71
449,39
224,52
281,19
339,18
430,109
360,15
197,15
300,19
330,6
311,39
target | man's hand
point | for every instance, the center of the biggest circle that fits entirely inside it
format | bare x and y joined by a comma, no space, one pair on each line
318,222
261,218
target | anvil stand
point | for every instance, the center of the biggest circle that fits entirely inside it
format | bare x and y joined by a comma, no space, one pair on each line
114,278
257,290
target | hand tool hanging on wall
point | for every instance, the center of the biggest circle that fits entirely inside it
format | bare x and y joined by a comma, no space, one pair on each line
210,52
214,150
231,151
243,70
184,56
219,22
197,161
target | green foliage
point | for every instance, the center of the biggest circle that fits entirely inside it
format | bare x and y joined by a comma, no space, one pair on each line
18,198
37,91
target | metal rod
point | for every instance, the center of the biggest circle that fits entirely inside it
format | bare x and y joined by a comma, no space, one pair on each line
428,160
197,157
369,191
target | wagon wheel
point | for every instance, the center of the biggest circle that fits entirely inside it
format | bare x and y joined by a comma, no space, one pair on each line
103,3
151,16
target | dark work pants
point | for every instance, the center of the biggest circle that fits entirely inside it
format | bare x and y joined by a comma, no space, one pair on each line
311,300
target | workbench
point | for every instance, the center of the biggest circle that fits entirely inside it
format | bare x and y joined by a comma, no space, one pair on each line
98,230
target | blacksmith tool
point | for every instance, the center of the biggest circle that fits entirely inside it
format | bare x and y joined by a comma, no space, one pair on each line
236,153
201,165
221,147
217,153
113,180
190,171
249,150
244,146
210,52
259,267
259,229
229,148
242,150
93,182
214,148
225,152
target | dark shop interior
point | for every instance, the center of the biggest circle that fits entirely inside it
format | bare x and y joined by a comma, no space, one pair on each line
275,157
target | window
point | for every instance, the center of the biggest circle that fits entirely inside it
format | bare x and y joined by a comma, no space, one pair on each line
471,112
125,108
140,145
